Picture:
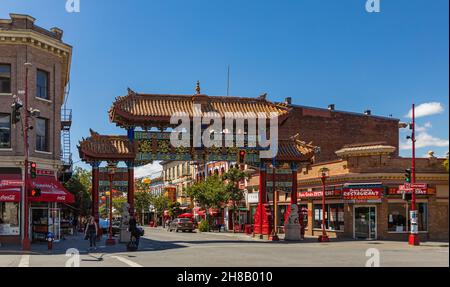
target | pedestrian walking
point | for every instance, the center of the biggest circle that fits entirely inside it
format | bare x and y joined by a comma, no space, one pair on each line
75,225
91,232
134,233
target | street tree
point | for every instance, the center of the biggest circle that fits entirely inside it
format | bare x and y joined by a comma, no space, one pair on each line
118,203
80,186
174,209
142,202
210,193
160,203
233,177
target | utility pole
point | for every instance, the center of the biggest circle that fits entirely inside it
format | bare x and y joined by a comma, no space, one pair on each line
26,238
414,236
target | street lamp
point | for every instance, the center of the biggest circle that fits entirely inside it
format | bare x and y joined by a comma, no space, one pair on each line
111,171
324,173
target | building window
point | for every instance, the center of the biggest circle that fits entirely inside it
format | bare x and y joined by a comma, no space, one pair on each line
334,216
397,214
42,135
5,131
398,217
5,79
42,86
9,218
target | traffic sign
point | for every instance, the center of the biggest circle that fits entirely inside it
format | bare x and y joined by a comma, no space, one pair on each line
420,188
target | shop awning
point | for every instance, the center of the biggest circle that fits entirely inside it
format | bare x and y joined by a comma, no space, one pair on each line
51,190
185,215
10,187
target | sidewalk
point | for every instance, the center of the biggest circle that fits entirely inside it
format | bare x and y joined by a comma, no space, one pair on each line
61,247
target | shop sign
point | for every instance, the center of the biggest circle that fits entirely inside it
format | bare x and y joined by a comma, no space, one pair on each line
253,197
420,188
362,193
45,172
9,197
315,194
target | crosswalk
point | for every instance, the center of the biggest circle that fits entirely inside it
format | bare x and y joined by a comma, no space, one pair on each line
25,259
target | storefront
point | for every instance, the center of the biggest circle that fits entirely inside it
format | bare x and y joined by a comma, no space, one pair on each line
369,211
45,210
10,194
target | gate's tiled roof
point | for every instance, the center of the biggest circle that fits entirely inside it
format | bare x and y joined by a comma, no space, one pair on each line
149,110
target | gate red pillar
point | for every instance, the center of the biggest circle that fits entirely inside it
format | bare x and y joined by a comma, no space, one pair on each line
130,195
294,192
95,189
260,219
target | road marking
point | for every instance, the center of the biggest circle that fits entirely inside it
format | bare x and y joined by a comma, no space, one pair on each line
126,261
24,261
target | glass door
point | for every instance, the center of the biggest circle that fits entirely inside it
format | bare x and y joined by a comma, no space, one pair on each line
54,223
365,222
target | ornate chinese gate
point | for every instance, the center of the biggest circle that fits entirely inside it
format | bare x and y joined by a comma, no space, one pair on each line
140,114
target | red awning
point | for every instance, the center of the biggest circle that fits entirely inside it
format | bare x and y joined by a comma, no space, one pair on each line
185,215
201,213
51,190
10,187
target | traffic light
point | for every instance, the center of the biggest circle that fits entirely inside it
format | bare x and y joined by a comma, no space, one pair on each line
408,175
241,157
35,192
33,170
16,107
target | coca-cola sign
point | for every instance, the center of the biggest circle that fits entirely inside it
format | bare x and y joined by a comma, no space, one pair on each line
9,197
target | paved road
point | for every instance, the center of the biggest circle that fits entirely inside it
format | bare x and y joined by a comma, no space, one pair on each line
163,249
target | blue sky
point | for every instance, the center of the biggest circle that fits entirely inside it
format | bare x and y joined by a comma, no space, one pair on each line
316,51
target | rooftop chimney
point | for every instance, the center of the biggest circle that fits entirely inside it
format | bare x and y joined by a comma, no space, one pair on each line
331,107
368,112
288,101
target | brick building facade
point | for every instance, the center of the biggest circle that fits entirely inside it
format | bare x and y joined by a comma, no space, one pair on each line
22,42
330,129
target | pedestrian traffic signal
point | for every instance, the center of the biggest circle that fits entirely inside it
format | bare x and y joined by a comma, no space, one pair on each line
241,157
35,192
408,175
16,107
33,170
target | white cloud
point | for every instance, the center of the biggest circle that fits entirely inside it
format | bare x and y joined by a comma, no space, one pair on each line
423,139
424,128
152,170
426,109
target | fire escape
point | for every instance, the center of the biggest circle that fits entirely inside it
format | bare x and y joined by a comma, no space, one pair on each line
66,153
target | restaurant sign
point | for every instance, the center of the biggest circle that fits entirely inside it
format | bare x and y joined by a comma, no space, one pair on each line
363,192
420,188
317,194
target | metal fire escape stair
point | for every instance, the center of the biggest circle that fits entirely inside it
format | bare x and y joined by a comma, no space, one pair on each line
66,153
